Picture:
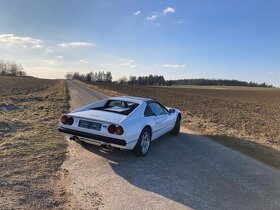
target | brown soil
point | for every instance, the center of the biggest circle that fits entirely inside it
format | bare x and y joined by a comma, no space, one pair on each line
23,85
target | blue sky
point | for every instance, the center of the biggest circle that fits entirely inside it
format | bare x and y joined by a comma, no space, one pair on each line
177,39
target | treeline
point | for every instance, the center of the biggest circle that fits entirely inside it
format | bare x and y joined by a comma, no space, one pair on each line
217,82
11,69
147,80
156,80
100,76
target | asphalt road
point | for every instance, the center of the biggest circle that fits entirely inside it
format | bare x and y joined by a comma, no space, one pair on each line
186,171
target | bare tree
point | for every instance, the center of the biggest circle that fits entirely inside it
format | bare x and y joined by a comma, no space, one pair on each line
11,69
122,80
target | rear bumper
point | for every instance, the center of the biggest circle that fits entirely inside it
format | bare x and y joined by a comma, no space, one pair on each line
102,139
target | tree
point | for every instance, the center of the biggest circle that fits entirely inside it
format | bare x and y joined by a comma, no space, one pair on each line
69,75
89,77
122,80
132,80
108,77
11,69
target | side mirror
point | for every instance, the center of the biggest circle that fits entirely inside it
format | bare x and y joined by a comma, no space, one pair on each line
171,111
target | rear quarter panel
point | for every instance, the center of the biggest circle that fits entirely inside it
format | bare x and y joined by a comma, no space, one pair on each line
133,129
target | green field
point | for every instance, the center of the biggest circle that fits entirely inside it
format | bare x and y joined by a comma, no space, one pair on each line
220,87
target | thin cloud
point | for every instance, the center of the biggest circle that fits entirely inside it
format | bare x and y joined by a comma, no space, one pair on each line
104,64
76,44
49,72
49,50
128,64
151,18
274,72
84,61
25,42
168,10
59,56
125,64
174,66
126,60
50,62
180,21
136,13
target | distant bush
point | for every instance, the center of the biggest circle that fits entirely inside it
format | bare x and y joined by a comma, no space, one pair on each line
11,69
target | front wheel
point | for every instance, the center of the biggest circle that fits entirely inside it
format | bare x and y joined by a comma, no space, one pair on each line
143,145
176,129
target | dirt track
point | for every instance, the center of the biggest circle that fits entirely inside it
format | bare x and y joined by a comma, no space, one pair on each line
187,171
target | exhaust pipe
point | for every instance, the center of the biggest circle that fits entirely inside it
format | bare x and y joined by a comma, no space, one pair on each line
107,146
74,138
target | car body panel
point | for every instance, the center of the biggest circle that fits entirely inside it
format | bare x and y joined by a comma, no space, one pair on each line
99,116
132,124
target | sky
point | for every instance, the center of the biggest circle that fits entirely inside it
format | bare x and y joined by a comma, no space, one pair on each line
233,39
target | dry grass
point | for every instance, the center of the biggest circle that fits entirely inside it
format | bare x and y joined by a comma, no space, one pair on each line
31,149
244,119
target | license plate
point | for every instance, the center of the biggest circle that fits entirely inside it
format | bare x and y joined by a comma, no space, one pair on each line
90,125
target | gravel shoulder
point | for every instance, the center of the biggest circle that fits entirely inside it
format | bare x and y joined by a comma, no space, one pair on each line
187,171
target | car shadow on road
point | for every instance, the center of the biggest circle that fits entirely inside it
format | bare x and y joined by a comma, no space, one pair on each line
193,171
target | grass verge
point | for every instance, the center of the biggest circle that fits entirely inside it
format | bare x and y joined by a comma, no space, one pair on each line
31,149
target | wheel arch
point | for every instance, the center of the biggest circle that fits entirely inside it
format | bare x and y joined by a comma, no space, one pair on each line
179,115
150,128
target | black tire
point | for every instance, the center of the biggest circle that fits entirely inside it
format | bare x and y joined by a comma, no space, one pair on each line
139,150
176,129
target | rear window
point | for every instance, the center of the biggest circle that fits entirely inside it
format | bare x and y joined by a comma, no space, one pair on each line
118,106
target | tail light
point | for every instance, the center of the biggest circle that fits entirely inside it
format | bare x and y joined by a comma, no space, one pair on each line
63,120
67,120
115,129
119,130
112,128
70,120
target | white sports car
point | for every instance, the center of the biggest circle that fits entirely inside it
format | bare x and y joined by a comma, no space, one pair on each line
124,122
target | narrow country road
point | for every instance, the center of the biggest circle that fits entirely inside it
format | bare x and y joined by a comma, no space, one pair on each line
182,172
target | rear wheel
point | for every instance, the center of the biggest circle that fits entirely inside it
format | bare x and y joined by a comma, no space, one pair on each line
143,145
176,129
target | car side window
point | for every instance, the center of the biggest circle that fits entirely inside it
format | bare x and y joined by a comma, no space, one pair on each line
148,112
157,108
